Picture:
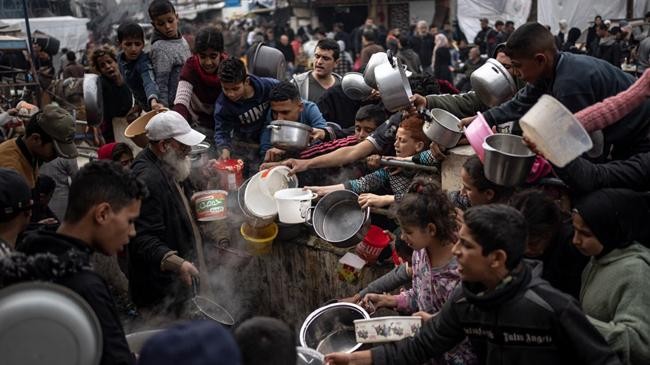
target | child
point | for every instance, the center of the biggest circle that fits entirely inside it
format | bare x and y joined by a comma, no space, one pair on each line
199,86
265,340
169,50
409,141
241,109
477,189
428,223
136,68
117,98
508,313
615,288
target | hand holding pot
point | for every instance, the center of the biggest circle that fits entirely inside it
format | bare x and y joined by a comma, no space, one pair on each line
465,122
321,191
372,200
424,315
186,272
225,154
438,151
419,101
379,301
372,161
274,154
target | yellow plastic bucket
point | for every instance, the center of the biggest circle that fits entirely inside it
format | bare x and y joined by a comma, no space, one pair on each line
259,239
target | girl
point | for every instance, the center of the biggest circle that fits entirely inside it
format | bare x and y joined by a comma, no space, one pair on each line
428,223
199,85
477,189
615,289
409,141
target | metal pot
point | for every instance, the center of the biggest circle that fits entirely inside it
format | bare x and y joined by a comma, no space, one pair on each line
252,220
339,219
369,73
288,135
331,328
355,87
268,62
92,89
507,160
442,128
393,86
493,83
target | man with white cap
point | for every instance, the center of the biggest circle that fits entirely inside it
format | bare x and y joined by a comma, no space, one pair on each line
160,268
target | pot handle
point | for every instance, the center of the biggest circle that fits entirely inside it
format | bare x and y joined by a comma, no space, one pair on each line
310,216
195,286
276,127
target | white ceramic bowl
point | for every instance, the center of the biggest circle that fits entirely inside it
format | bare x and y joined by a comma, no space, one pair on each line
386,329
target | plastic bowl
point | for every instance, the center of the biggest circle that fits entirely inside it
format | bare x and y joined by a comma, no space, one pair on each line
259,239
476,132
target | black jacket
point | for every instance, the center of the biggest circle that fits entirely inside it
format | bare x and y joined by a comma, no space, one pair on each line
579,82
523,322
163,226
584,176
423,46
49,256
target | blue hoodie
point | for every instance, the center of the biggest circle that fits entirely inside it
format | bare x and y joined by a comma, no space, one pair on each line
245,117
139,76
310,116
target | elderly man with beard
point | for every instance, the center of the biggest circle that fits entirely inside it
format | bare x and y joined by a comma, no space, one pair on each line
160,270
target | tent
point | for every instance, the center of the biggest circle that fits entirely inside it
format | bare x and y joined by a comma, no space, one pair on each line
70,31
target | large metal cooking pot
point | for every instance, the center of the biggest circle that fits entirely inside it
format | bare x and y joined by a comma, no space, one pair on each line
393,86
288,135
369,73
339,219
44,323
493,83
442,127
507,160
92,89
331,328
354,86
267,62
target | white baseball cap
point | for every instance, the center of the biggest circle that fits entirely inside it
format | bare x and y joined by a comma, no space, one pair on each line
170,124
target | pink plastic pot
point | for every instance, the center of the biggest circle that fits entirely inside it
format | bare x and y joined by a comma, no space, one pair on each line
476,133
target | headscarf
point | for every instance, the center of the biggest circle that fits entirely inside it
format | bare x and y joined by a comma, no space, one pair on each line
616,216
105,152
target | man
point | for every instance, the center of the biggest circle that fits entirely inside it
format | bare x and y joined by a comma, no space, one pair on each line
286,104
104,202
576,81
481,39
160,272
644,56
370,46
422,42
495,37
608,49
508,29
473,62
15,208
509,314
313,84
49,134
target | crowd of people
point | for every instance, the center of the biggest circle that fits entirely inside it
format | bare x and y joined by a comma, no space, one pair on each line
550,271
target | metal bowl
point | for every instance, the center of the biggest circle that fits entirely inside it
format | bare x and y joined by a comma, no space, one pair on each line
289,136
493,83
331,328
507,160
339,219
268,62
369,73
443,128
92,88
354,87
393,86
47,323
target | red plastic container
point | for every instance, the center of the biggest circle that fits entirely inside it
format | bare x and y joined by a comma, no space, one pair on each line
373,243
231,173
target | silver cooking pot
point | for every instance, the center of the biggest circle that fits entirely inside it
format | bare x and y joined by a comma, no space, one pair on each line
267,62
507,160
369,73
93,101
493,83
331,328
251,219
354,86
442,127
393,86
339,219
288,135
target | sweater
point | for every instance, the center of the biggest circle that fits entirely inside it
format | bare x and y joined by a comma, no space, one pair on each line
615,294
244,118
310,115
168,57
197,94
522,321
139,76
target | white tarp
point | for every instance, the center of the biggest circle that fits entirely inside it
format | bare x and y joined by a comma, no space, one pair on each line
579,13
470,11
70,31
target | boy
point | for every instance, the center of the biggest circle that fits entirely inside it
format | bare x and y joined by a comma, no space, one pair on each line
136,67
265,340
104,202
286,104
169,50
510,314
577,81
241,108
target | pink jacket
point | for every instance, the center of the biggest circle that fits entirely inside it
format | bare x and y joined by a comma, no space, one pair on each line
614,108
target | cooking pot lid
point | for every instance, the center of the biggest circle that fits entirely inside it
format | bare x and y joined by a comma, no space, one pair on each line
291,124
47,323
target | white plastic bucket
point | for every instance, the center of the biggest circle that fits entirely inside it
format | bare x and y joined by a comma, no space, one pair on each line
294,205
558,135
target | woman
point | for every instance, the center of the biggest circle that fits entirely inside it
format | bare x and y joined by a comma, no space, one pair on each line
441,60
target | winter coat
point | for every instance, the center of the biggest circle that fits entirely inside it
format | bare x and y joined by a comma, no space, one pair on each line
615,295
168,55
63,260
522,321
163,226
